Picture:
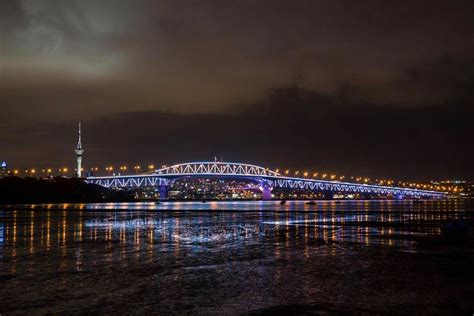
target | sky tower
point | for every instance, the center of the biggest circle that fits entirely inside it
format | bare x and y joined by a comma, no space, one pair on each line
79,151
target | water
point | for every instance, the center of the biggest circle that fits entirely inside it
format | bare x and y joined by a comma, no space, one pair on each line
236,258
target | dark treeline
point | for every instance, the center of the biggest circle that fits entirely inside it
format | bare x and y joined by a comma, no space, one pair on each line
14,190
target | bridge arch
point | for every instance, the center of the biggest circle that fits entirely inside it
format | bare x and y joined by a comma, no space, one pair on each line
217,168
267,179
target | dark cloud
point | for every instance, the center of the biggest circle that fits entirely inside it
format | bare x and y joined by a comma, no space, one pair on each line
292,127
131,69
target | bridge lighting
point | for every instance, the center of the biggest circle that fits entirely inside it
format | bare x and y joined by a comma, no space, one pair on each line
315,175
33,171
15,171
287,171
117,181
277,170
65,170
296,173
342,177
151,167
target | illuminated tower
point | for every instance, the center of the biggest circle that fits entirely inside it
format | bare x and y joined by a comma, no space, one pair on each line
79,151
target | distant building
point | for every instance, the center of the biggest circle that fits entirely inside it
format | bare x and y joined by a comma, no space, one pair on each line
3,167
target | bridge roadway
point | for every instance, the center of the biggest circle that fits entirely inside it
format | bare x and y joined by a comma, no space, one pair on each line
267,180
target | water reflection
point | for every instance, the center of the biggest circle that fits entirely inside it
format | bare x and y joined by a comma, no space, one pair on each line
78,235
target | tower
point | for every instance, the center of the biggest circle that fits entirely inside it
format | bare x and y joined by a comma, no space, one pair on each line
79,151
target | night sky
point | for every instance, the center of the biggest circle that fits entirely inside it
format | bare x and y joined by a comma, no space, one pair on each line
371,88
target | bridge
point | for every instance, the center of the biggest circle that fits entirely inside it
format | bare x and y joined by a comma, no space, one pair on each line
267,180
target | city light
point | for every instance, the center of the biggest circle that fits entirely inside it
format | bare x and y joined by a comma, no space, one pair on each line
450,187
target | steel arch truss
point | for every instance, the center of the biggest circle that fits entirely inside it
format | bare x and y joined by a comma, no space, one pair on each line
216,168
165,176
315,185
116,182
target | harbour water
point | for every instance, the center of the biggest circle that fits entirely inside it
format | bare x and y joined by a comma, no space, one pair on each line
238,258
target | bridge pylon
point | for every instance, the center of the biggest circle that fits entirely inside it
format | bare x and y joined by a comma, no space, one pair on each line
163,190
266,189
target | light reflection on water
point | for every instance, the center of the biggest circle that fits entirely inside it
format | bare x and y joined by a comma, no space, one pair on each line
120,231
193,258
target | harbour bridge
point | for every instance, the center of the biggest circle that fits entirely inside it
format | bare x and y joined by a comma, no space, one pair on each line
267,180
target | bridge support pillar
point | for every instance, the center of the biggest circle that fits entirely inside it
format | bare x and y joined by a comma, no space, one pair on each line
163,190
399,197
266,189
267,193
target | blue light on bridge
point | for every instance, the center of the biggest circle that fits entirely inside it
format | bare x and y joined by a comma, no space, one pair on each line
265,177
